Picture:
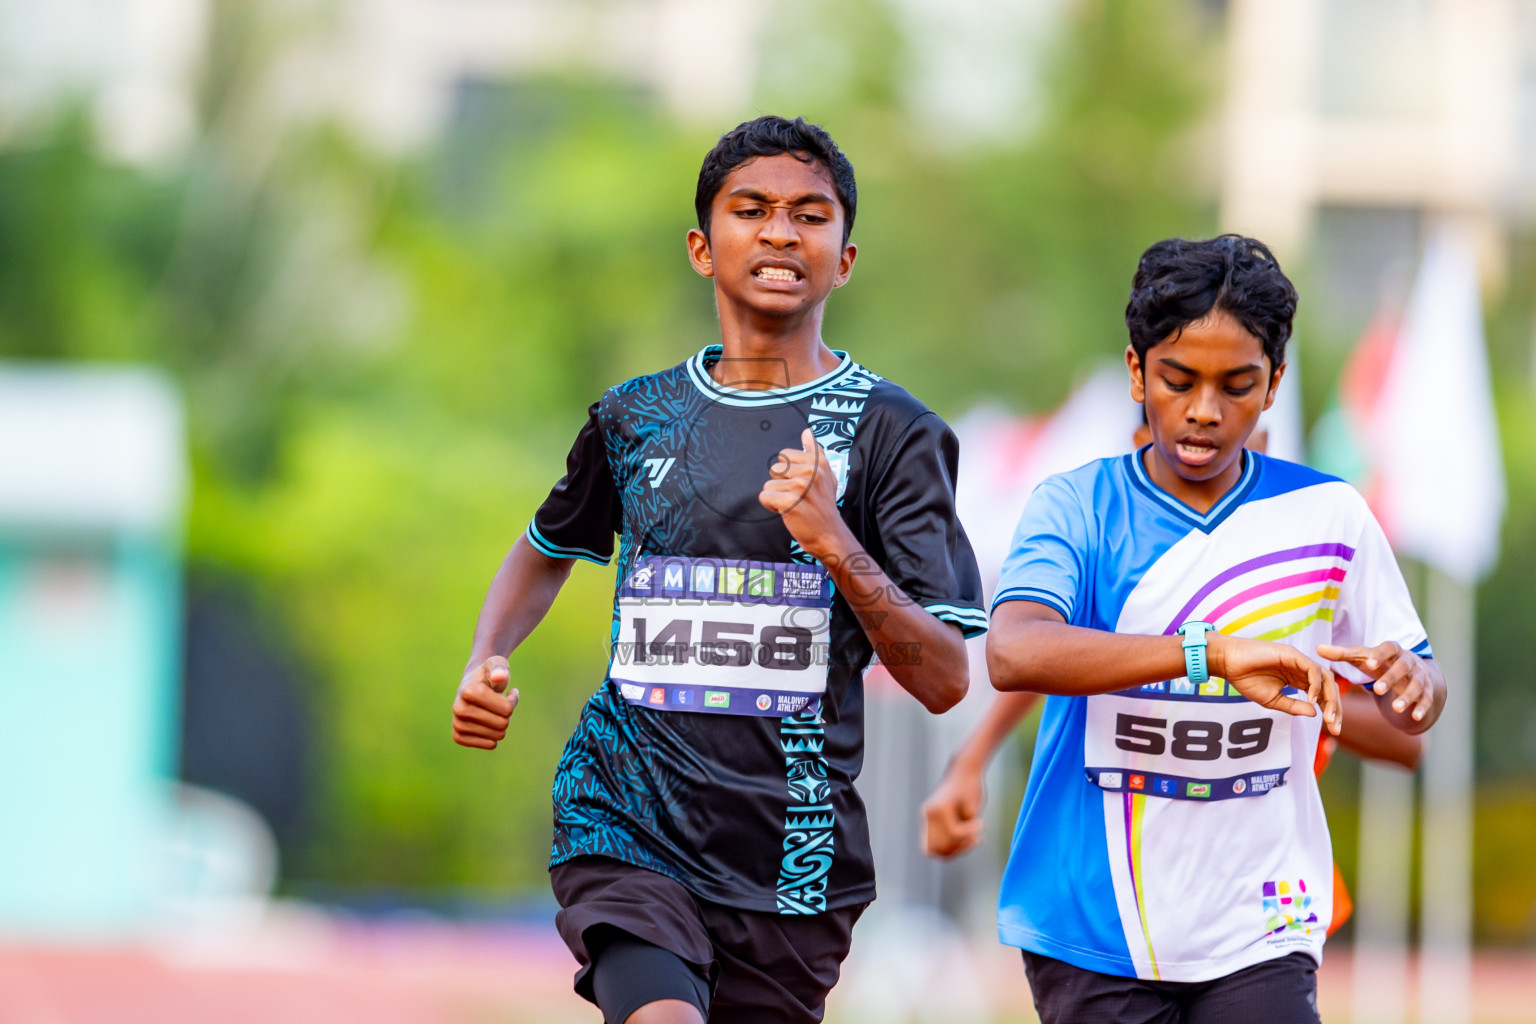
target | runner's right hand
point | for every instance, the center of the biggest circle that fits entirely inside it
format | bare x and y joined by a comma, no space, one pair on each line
480,712
1261,670
952,820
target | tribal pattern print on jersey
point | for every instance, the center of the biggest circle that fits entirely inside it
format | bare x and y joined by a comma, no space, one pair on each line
1182,823
742,792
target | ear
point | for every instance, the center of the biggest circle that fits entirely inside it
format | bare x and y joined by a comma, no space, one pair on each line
845,264
1138,381
1274,385
698,253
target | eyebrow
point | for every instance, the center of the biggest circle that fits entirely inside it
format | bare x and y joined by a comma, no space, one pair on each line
800,200
1175,364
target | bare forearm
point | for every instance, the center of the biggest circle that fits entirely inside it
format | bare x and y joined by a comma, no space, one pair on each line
1043,656
1367,734
923,653
520,595
1005,714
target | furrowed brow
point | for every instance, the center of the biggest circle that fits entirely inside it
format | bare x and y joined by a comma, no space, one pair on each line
800,200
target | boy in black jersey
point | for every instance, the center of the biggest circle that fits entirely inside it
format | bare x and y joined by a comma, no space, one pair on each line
782,514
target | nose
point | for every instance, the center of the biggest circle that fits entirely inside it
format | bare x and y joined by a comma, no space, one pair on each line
1204,406
779,230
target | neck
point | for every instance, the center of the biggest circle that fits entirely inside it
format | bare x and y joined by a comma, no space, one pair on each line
1200,495
771,352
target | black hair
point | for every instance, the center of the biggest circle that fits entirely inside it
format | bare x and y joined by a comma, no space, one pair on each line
771,135
1180,281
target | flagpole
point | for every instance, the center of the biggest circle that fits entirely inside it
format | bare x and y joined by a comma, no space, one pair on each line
1445,931
1379,981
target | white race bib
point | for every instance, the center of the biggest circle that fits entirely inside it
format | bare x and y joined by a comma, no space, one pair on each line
1178,741
723,636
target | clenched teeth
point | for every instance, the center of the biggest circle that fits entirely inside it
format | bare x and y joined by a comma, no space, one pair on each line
776,274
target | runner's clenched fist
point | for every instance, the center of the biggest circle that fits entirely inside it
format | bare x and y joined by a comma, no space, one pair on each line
480,712
802,489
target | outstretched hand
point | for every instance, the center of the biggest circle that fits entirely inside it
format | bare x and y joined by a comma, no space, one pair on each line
1261,671
480,712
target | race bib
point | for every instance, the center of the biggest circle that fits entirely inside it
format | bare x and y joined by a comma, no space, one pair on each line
1183,742
723,636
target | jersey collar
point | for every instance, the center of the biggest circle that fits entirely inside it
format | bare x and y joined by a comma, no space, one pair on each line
698,372
1208,521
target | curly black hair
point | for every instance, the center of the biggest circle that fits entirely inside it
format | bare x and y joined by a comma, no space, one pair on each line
771,135
1181,280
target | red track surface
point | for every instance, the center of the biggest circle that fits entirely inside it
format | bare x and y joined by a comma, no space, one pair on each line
302,967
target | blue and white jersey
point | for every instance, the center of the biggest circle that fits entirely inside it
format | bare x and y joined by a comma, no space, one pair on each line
1172,831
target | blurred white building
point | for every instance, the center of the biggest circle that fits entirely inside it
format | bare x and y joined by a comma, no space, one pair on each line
1348,122
392,70
388,68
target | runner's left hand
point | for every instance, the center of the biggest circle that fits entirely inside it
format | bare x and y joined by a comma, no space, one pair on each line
802,489
1395,670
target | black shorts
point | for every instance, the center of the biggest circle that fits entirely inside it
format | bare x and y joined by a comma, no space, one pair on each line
757,967
1280,991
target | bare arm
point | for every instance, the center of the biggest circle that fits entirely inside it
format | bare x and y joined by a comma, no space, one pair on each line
1370,735
952,820
923,653
1031,647
520,595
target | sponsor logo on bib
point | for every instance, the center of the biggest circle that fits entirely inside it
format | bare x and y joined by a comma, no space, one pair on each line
1239,786
1198,789
641,580
1109,780
716,699
1138,782
631,691
658,695
764,702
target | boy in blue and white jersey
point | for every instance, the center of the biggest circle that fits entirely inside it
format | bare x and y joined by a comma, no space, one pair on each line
1171,860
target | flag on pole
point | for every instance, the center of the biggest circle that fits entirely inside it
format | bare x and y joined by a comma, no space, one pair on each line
1413,425
1435,434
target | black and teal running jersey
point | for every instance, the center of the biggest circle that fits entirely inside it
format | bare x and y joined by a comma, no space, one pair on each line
723,746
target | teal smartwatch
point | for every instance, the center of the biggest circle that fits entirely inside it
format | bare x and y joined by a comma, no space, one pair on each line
1195,665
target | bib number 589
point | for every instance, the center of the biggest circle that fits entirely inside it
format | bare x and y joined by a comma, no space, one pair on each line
1192,740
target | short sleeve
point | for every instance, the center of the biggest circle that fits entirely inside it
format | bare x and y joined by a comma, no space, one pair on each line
1048,552
582,513
927,553
1374,605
